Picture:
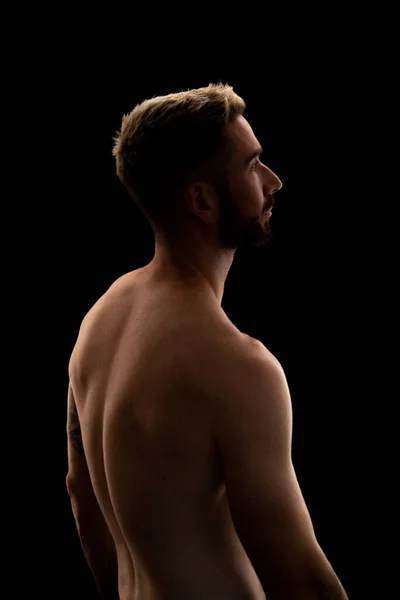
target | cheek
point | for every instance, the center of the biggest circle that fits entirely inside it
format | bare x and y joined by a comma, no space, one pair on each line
248,195
259,195
256,196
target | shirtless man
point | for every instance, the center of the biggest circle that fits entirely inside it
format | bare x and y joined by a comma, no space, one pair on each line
180,425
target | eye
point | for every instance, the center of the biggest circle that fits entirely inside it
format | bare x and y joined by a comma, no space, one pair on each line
254,165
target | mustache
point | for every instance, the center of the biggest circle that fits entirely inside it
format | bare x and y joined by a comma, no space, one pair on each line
271,202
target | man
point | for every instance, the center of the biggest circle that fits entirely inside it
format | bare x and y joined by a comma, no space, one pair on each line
180,426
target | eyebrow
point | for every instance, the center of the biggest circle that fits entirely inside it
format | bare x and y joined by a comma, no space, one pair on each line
256,153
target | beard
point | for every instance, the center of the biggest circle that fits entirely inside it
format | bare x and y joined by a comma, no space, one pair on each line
234,229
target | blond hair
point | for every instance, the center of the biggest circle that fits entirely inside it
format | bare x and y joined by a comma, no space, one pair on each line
166,139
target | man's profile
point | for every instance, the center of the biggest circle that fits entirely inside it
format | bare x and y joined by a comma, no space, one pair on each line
179,425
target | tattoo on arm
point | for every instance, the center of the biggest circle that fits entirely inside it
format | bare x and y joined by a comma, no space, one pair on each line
73,424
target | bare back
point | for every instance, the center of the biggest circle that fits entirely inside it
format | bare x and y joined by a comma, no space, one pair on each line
147,437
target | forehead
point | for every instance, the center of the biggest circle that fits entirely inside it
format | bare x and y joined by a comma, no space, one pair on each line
242,137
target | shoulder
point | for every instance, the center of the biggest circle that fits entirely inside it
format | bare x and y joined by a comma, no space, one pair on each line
232,360
249,351
246,393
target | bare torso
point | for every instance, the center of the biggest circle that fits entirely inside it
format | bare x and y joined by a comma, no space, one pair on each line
146,433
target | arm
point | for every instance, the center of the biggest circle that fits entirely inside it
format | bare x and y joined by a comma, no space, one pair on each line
96,540
252,420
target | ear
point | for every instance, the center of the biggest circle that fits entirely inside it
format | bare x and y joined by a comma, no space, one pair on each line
201,200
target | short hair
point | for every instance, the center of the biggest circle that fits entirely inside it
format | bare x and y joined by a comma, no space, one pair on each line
167,139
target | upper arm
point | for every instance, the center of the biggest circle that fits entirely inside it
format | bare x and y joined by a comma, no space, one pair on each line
78,479
253,431
95,536
79,484
78,474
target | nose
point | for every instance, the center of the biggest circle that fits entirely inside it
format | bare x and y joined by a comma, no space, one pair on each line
278,184
273,183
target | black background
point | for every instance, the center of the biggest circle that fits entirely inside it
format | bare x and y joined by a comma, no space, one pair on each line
308,296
